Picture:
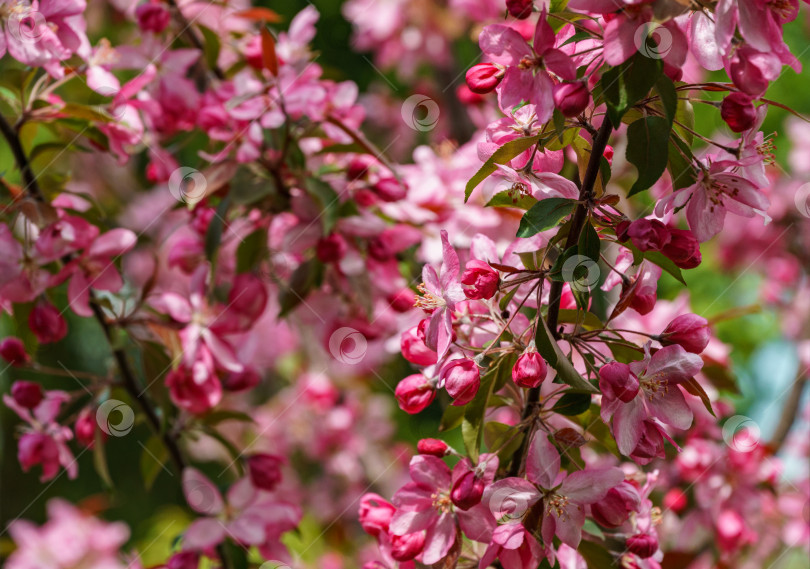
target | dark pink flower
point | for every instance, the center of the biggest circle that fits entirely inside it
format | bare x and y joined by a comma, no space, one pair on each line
689,331
47,323
484,77
152,17
13,351
264,470
468,482
648,234
617,382
414,393
331,249
530,369
571,98
683,248
27,394
643,544
414,349
738,111
433,447
195,387
461,379
375,514
479,280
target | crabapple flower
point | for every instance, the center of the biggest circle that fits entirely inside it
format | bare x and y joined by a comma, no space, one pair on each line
514,546
561,499
658,396
440,293
433,447
530,369
682,249
425,504
13,351
571,98
264,470
44,440
738,111
70,539
375,514
195,386
248,515
469,482
26,394
715,193
414,393
484,77
47,323
479,280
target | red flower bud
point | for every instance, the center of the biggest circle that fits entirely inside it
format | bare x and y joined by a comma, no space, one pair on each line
375,514
608,154
331,249
359,166
402,300
479,280
462,379
520,9
737,109
13,351
644,545
86,426
414,393
248,378
414,349
571,98
621,231
643,303
406,547
530,370
265,471
184,560
467,490
152,17
616,382
390,190
689,331
484,77
26,393
648,234
675,500
466,97
47,323
614,509
683,249
433,447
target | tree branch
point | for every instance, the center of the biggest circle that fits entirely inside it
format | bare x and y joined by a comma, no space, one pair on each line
555,291
30,181
789,412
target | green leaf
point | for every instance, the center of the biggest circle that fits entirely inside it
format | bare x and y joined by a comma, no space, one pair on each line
504,438
648,150
596,556
589,244
329,200
153,456
587,320
302,281
509,198
551,352
545,214
507,298
571,404
451,418
501,156
251,251
625,85
218,416
211,47
76,111
100,459
669,97
624,353
679,163
473,422
656,258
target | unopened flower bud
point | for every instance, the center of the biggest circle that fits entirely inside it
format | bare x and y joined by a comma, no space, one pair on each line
615,508
479,280
617,382
26,393
530,370
265,471
689,331
414,348
406,547
359,166
433,447
13,351
520,9
462,379
243,380
86,426
467,490
648,234
484,77
683,249
402,300
390,189
331,249
184,560
414,393
466,97
675,500
152,17
738,111
375,514
644,545
571,98
47,323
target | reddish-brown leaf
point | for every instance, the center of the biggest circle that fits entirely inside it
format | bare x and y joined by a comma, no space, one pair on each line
259,15
269,57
